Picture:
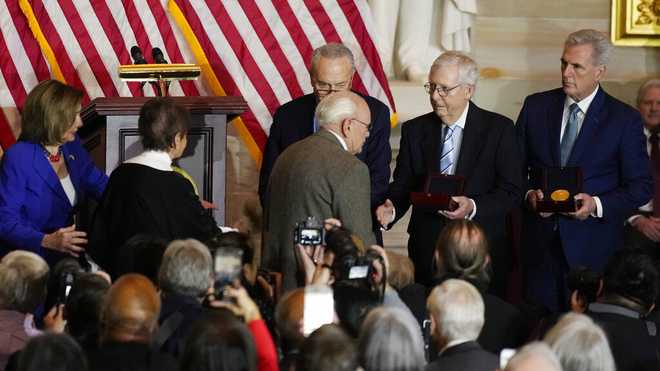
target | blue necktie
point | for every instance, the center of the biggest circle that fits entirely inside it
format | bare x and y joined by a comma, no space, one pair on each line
447,156
570,133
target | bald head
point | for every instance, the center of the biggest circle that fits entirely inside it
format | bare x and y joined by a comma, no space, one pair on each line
131,309
288,316
346,114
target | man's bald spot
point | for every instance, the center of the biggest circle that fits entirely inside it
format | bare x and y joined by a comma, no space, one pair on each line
131,302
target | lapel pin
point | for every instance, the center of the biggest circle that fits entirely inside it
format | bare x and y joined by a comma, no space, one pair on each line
72,157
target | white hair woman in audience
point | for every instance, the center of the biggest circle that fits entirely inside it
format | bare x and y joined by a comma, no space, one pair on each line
535,356
580,344
390,340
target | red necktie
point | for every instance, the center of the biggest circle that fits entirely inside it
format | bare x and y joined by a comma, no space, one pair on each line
655,170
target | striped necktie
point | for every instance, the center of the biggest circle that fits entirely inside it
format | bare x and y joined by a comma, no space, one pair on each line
447,156
570,133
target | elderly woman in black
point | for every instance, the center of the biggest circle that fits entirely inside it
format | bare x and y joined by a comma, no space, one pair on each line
145,195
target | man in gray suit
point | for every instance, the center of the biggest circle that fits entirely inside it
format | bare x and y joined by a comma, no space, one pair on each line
320,176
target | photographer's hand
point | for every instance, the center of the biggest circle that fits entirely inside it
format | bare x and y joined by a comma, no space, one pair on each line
239,302
54,321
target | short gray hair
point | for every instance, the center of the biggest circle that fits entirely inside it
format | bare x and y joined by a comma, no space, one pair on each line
186,268
335,108
458,310
650,84
600,43
332,51
468,72
580,344
390,340
23,280
537,349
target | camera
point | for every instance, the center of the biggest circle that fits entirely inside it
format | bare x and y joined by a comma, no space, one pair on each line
309,232
227,267
66,283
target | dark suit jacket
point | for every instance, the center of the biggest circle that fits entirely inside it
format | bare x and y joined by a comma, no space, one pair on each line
32,200
465,357
610,150
129,356
488,160
313,177
293,121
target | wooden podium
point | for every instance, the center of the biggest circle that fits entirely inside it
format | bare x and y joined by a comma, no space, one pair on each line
110,134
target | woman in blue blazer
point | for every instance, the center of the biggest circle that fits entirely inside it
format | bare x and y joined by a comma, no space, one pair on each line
45,174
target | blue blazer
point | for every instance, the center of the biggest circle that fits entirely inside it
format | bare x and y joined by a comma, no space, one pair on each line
32,200
610,150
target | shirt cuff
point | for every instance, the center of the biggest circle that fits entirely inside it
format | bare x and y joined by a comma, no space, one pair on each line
598,213
474,210
632,218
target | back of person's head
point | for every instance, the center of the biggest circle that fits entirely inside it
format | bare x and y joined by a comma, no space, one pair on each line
82,310
160,121
632,274
219,342
402,270
328,348
23,280
142,254
535,356
289,314
49,111
584,285
186,268
130,310
353,302
457,311
462,252
580,344
390,340
52,352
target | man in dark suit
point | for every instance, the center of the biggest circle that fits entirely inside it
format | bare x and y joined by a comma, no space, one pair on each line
581,126
457,138
457,316
320,177
332,70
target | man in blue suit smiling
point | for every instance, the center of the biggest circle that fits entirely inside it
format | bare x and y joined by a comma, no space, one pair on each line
579,125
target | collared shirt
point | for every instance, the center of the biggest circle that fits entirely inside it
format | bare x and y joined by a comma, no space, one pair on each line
648,207
453,343
158,160
457,136
340,139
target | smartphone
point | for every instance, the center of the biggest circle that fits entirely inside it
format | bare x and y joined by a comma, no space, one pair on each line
318,308
227,266
66,283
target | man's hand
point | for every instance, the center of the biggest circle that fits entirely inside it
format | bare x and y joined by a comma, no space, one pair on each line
648,226
465,208
533,197
385,213
54,321
237,300
586,209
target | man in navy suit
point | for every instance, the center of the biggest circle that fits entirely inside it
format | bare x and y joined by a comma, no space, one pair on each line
579,125
332,70
456,138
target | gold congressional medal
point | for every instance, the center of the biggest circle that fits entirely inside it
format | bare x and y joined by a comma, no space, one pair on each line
559,195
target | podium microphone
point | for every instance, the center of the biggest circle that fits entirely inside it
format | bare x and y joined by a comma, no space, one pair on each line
158,56
138,57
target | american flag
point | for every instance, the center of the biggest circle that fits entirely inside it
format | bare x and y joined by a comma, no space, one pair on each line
258,49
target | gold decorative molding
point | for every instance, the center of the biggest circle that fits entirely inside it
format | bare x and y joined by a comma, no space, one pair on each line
636,22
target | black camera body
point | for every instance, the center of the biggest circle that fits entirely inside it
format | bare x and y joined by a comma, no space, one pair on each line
309,232
67,280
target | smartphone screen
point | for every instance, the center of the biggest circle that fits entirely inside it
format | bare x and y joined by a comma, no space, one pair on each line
227,265
319,308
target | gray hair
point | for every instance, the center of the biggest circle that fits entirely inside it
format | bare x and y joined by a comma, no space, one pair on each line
335,108
458,310
468,72
332,51
598,40
186,268
538,350
580,344
390,340
23,280
650,84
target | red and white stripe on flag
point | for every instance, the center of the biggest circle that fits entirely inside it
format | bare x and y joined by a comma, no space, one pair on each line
258,49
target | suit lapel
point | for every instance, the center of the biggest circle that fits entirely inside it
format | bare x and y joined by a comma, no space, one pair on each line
472,141
70,159
588,130
431,144
555,113
46,172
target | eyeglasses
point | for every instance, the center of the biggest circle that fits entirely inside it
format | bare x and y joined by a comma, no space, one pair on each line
324,87
367,126
441,90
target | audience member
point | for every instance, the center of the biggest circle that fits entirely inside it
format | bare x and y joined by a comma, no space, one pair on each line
45,175
580,344
584,286
457,316
328,348
82,310
185,277
353,302
629,292
289,321
320,177
142,254
129,319
55,290
144,194
52,352
390,340
535,356
23,278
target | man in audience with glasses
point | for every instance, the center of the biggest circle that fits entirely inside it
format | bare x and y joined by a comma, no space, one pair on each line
332,70
456,139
